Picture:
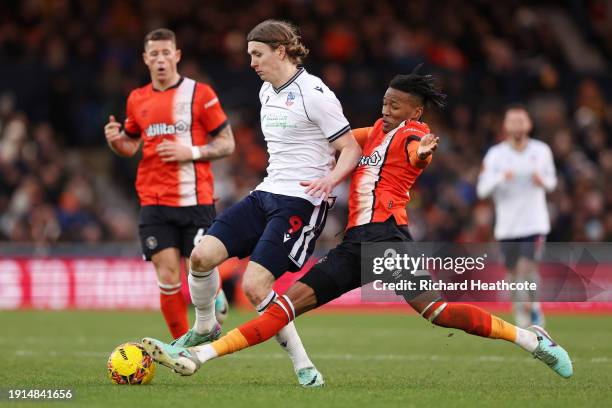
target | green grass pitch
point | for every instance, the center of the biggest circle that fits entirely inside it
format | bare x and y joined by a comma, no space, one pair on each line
369,360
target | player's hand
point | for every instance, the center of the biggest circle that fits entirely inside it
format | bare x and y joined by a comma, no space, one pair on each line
321,187
173,152
112,130
428,144
537,180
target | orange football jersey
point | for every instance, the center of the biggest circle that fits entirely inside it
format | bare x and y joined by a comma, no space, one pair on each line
187,113
380,185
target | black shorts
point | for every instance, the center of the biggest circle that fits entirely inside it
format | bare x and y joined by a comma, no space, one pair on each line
530,247
339,271
162,227
277,231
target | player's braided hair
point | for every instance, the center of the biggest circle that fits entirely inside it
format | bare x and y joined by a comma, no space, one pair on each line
276,33
422,87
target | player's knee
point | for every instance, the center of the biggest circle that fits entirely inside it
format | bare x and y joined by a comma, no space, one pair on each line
201,259
168,276
208,254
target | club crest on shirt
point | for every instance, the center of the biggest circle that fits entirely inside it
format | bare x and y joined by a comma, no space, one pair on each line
182,108
290,99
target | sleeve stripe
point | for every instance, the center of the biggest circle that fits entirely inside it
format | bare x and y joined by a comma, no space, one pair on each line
413,137
211,103
339,133
218,129
131,135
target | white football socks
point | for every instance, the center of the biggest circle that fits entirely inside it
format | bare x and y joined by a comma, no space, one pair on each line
526,339
205,352
288,338
203,287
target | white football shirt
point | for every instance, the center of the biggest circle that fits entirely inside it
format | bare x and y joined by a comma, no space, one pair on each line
299,120
520,205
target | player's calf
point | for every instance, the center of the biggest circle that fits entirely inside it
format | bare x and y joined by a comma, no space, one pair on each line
257,284
172,302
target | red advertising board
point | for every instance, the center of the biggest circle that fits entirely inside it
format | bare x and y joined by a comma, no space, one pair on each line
130,283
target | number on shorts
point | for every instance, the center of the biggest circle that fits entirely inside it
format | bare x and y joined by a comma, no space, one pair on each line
198,237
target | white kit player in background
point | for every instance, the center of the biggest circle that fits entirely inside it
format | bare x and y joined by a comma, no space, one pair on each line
517,173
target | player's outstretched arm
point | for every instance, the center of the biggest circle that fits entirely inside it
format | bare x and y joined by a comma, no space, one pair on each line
118,141
420,154
350,152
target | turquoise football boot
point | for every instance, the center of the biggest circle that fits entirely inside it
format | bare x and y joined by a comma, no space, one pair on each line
310,377
221,307
192,339
551,354
180,359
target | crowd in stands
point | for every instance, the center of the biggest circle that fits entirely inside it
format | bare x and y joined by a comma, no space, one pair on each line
67,65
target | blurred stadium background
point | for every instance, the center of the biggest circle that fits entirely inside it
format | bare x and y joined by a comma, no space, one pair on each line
67,65
68,209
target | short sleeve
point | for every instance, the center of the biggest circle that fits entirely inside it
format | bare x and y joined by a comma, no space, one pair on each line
412,149
130,126
361,135
325,111
213,116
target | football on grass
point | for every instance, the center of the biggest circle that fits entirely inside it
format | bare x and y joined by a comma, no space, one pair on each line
130,364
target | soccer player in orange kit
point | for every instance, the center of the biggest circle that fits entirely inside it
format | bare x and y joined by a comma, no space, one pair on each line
172,118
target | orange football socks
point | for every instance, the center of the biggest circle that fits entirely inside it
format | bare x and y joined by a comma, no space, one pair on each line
174,308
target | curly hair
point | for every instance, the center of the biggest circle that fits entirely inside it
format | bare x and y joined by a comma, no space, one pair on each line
422,87
276,33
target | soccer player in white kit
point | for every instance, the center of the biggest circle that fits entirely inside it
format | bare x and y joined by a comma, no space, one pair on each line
278,223
517,173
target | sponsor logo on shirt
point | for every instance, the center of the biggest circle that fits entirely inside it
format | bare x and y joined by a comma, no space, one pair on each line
276,120
160,129
372,160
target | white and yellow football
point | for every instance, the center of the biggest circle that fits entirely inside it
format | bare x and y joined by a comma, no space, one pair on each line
130,364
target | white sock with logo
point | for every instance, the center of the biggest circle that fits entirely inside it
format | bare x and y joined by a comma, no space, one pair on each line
288,338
